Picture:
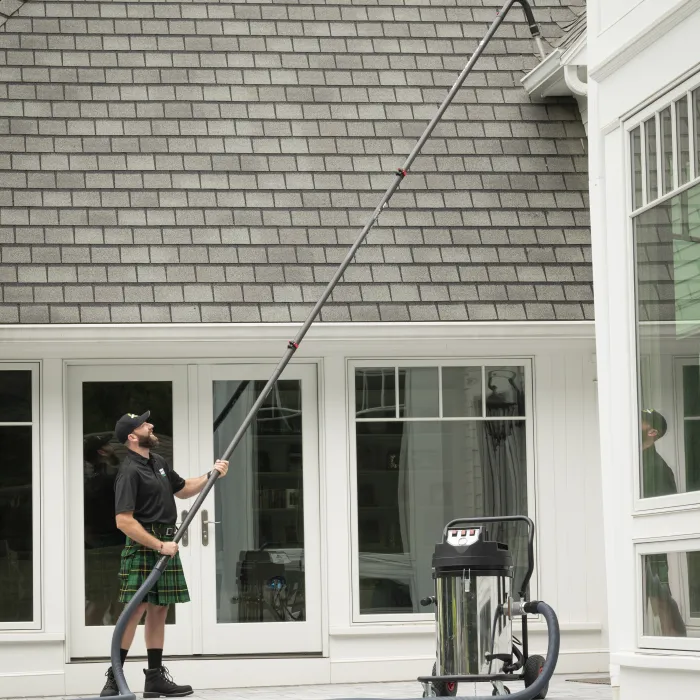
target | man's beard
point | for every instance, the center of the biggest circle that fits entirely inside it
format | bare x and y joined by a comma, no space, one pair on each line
148,440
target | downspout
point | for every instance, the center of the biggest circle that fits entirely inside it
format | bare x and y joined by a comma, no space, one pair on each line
580,90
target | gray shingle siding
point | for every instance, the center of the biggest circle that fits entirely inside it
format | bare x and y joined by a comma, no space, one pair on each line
213,161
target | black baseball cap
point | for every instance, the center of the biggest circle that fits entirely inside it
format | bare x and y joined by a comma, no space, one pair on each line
654,419
128,423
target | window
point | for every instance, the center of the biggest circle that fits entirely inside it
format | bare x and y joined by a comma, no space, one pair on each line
433,442
664,149
671,595
667,247
665,225
19,497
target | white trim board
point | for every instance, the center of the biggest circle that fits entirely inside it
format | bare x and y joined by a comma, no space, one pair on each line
643,40
60,333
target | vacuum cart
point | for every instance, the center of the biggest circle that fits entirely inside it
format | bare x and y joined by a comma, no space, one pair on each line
293,345
474,611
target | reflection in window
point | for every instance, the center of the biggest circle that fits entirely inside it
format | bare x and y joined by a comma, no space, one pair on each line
636,144
416,472
671,594
652,159
666,149
695,101
683,136
103,404
16,526
260,571
667,251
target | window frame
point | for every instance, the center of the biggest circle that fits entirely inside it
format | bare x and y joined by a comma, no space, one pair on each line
530,463
638,120
665,546
37,609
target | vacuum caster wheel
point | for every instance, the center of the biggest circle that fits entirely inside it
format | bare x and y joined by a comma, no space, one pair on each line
505,688
443,689
531,671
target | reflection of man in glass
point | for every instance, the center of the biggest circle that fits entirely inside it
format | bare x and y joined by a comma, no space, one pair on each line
103,541
663,617
657,476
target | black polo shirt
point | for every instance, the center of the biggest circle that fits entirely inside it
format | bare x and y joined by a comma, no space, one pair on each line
147,487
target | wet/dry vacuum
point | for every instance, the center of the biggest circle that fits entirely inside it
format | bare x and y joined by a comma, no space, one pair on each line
474,611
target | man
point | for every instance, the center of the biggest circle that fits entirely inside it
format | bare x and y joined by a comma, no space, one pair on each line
146,514
657,476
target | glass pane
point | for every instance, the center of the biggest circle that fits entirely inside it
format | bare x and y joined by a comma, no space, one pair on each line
636,146
16,531
15,396
260,574
692,454
671,594
415,476
683,135
667,253
652,164
691,391
418,392
505,391
103,404
375,392
462,393
694,583
696,110
666,150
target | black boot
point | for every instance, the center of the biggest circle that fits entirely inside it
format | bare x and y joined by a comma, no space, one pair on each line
110,686
159,683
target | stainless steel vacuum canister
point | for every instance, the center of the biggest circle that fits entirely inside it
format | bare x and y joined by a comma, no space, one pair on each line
473,579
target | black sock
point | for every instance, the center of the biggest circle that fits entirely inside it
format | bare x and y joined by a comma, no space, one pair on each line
155,658
122,654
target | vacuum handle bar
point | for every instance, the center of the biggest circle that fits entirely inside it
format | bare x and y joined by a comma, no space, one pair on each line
502,519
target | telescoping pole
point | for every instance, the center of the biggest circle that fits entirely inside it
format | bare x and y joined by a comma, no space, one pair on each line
293,345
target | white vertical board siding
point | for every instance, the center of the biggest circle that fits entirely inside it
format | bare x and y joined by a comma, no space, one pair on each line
571,565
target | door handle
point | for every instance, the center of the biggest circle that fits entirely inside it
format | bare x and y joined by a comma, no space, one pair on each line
185,537
205,527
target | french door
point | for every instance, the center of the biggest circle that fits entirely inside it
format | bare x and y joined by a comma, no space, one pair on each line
97,397
251,556
259,529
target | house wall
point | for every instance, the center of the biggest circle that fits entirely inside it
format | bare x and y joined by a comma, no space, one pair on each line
634,57
566,505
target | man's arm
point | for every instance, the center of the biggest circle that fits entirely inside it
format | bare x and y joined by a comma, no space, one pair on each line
133,528
194,485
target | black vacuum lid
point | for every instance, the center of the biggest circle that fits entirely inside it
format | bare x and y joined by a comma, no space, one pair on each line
480,554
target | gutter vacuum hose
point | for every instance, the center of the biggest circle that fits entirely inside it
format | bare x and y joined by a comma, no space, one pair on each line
293,345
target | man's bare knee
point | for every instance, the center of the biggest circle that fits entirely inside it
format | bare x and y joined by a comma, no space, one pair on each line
140,610
158,610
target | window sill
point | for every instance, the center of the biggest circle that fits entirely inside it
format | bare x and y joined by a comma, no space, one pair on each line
428,627
383,628
661,660
14,637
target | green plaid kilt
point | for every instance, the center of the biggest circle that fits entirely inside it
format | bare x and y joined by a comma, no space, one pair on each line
138,561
